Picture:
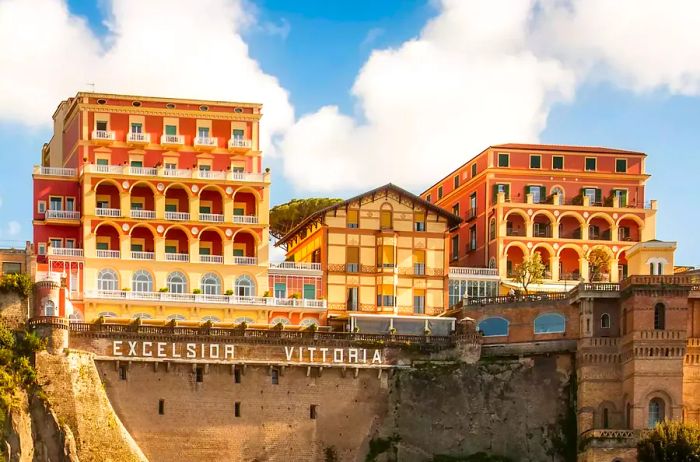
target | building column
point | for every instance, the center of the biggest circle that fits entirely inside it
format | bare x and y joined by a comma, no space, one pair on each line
614,270
584,231
194,249
125,246
125,203
614,230
159,205
159,248
555,229
554,267
583,268
194,211
228,209
528,227
227,247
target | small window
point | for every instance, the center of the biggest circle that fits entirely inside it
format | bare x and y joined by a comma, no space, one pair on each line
659,316
203,108
41,206
236,375
428,198
385,218
9,267
503,159
353,218
455,209
455,181
122,372
101,125
455,247
102,161
42,248
605,321
170,106
101,101
606,422
473,170
161,406
439,192
590,164
313,409
136,103
199,372
419,221
621,165
535,161
557,162
171,130
472,238
275,376
237,409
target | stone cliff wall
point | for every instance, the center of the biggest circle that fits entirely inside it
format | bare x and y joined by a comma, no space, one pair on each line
13,309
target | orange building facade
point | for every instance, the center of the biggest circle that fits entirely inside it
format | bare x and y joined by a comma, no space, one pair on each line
158,208
559,201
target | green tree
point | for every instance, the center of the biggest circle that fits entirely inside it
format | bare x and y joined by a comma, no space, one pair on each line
598,264
530,271
21,284
286,216
670,441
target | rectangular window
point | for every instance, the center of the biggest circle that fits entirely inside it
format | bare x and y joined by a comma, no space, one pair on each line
70,243
101,125
9,267
473,170
204,209
594,195
207,251
102,161
621,165
161,406
385,295
428,198
41,206
102,246
455,209
275,376
137,247
621,195
170,249
472,238
237,409
237,375
136,128
55,203
535,161
352,259
310,291
353,218
70,204
137,206
351,302
472,201
419,221
203,132
171,207
419,301
42,248
455,181
501,188
590,164
237,134
136,163
385,219
536,192
171,130
204,168
312,411
238,211
56,243
557,162
199,374
280,290
455,247
439,194
503,159
170,166
419,262
122,372
238,253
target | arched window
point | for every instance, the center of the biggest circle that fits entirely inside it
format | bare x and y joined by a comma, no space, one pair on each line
606,422
493,327
659,316
211,284
308,322
142,281
107,279
106,314
245,287
75,316
550,323
559,192
244,319
656,412
142,316
279,319
177,283
492,262
176,317
385,218
210,318
605,321
50,308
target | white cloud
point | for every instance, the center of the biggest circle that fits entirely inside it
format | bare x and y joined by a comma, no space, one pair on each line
193,49
13,228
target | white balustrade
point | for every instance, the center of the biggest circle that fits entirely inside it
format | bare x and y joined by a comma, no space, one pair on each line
62,215
144,214
206,141
106,135
56,171
459,271
177,216
65,252
211,217
143,171
211,175
245,219
245,260
107,212
241,176
177,172
292,265
183,257
112,169
239,143
142,255
172,139
107,253
134,137
211,258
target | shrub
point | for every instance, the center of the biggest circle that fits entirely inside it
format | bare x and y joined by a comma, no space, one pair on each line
228,292
196,291
670,440
21,284
163,289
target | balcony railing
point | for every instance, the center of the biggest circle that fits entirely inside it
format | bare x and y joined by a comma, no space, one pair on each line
205,298
65,252
211,258
56,171
211,175
177,216
291,265
62,215
133,137
205,141
143,171
245,219
184,257
464,271
143,214
241,176
245,260
211,217
177,173
105,135
419,269
142,255
107,253
107,212
172,139
239,143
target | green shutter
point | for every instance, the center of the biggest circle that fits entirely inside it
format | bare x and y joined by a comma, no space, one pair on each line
598,196
170,130
623,198
309,291
543,193
507,188
495,194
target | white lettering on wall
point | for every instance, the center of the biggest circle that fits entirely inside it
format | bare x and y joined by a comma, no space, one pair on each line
228,351
117,348
160,352
289,351
191,350
147,352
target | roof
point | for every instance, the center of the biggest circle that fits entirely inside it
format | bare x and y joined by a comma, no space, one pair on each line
566,148
453,220
164,99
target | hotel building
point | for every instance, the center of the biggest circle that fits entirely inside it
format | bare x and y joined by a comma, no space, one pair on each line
558,201
158,208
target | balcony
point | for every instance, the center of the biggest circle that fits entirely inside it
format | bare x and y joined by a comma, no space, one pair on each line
143,214
181,257
239,143
211,217
107,212
142,255
177,140
177,216
62,215
107,253
138,138
143,171
471,214
241,176
204,298
177,172
419,269
245,260
211,175
211,259
172,173
291,267
65,252
464,271
205,142
103,135
55,171
113,169
245,219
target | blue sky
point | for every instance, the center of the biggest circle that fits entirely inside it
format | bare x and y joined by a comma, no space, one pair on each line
316,51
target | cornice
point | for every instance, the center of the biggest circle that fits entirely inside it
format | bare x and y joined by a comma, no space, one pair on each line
232,116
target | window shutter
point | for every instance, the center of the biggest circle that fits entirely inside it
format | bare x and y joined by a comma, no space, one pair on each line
543,193
527,190
353,255
598,196
418,256
387,254
495,193
507,188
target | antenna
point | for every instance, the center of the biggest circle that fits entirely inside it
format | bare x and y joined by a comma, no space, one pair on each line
91,84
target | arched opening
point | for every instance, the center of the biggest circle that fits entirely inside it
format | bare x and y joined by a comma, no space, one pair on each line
546,257
599,229
492,229
605,321
493,327
107,241
622,265
541,225
142,281
515,225
245,207
657,412
559,191
550,323
569,265
244,248
142,243
514,257
211,284
50,308
107,280
628,415
142,201
211,205
177,283
177,203
176,245
659,316
628,230
210,247
107,200
244,286
569,227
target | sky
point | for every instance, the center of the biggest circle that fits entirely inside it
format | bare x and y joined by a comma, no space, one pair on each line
359,93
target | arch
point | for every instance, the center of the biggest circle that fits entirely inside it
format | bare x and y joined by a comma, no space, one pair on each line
149,226
142,281
112,224
659,316
249,231
209,187
656,412
107,279
50,308
142,316
176,282
210,319
544,245
550,323
560,191
546,213
175,317
279,319
630,216
111,181
308,322
518,244
605,321
244,286
620,253
602,215
517,212
244,319
217,230
179,185
144,183
258,196
180,227
211,284
573,247
107,314
576,215
607,250
494,326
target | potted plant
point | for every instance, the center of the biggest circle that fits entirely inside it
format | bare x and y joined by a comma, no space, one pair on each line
295,296
126,289
243,325
163,290
267,294
228,292
427,332
197,291
278,326
392,331
356,329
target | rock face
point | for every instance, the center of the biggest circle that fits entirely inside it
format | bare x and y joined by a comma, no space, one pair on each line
13,309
